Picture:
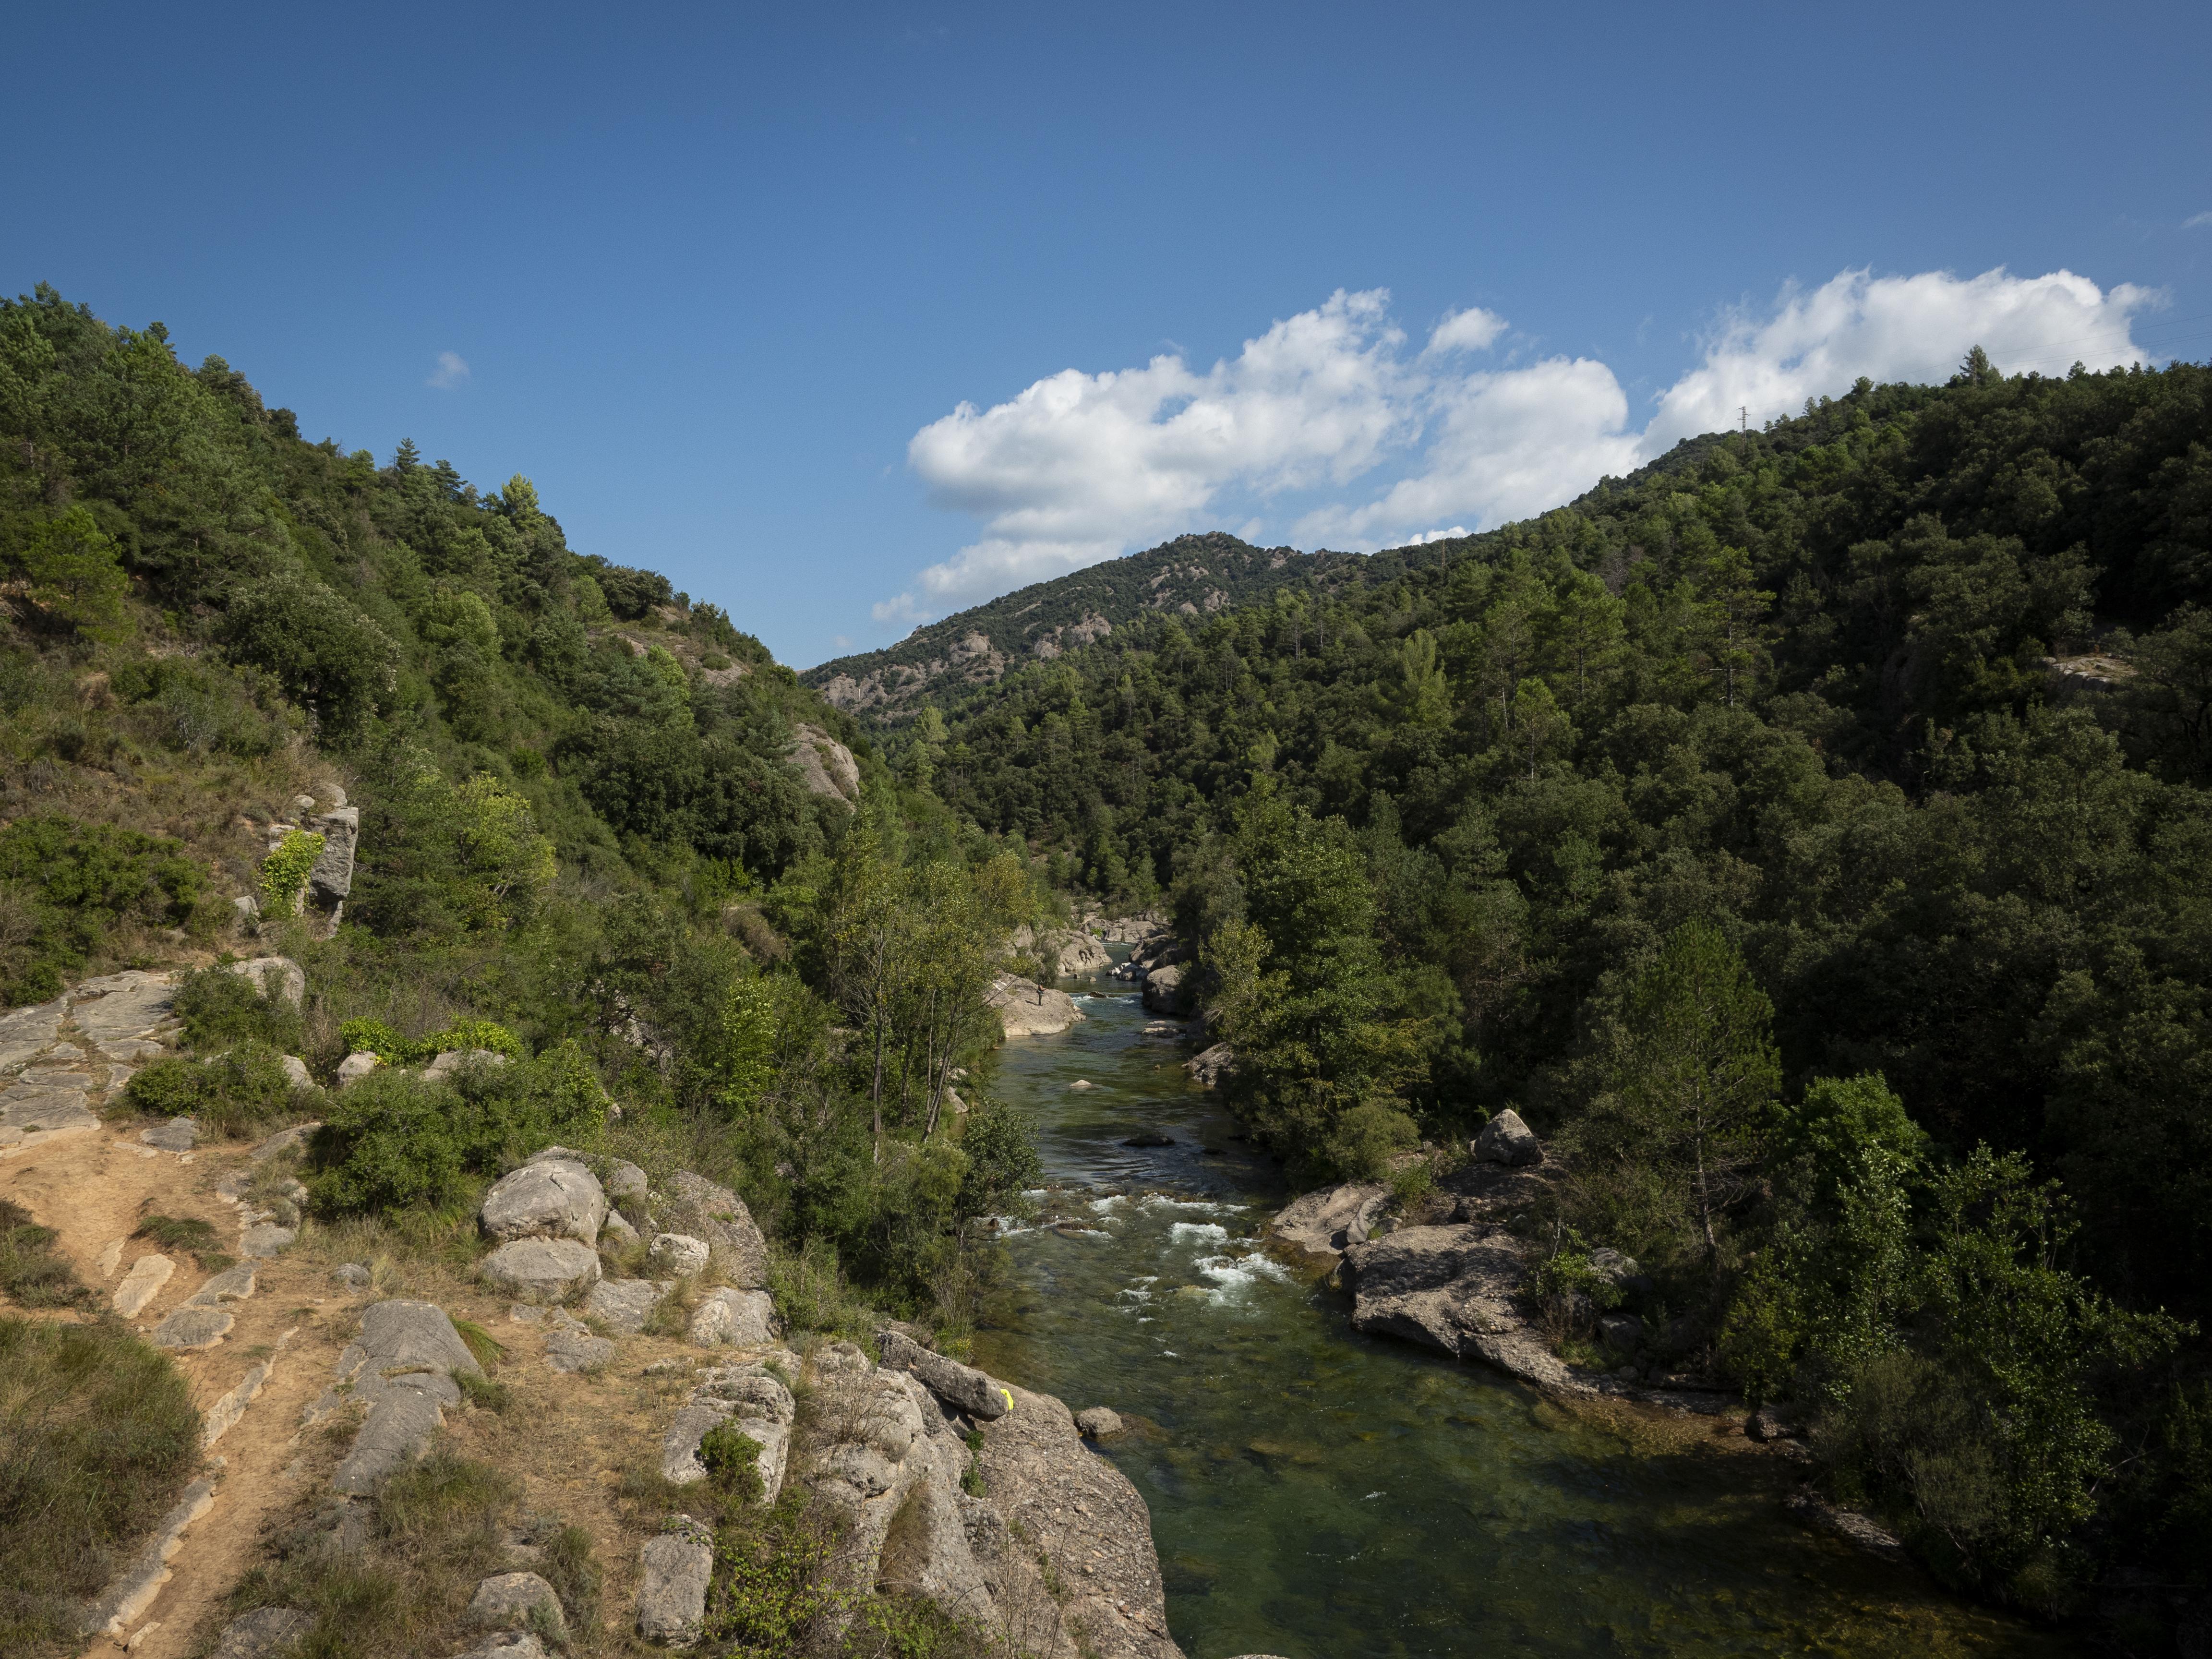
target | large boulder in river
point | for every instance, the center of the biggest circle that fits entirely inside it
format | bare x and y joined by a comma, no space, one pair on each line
1326,1222
696,1206
1170,991
1506,1140
1207,1069
552,1198
1028,1009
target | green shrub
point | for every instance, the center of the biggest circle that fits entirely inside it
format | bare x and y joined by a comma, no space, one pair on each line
365,1035
374,1036
220,1008
284,872
731,1459
325,654
99,1437
64,883
774,1591
31,1272
233,1094
394,1141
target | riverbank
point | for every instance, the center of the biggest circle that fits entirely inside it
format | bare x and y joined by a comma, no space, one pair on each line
1320,1492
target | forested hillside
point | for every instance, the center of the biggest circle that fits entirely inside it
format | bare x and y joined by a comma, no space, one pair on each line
1192,577
1809,833
600,829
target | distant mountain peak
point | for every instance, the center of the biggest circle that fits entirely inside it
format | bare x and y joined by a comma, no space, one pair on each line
1192,576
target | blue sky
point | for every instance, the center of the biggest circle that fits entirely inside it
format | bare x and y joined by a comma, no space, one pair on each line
721,280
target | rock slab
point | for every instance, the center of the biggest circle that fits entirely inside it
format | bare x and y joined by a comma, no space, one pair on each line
541,1270
961,1387
671,1601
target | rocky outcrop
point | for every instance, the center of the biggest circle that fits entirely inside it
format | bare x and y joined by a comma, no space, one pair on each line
1055,1555
1325,1223
510,1600
624,1304
825,766
1064,952
671,1599
401,1367
447,1061
678,1254
1028,1009
733,1318
963,1387
274,977
696,1206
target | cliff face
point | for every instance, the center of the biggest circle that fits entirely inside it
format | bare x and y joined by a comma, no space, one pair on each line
1191,577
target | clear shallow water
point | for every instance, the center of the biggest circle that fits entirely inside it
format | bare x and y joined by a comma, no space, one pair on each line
1320,1495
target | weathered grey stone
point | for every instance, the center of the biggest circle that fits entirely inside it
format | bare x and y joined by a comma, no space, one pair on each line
25,1032
740,1318
1621,1331
509,1600
332,879
1435,1285
961,1387
117,1007
572,1347
275,976
266,1239
34,1107
1506,1140
264,1633
672,1598
558,1198
131,1594
623,1304
401,1367
541,1270
296,1072
624,1182
679,1255
1028,1009
507,1644
719,1216
193,1327
355,1066
1098,1422
616,1232
1617,1270
177,1135
353,1275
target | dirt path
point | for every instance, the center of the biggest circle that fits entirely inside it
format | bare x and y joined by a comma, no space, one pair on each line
93,1188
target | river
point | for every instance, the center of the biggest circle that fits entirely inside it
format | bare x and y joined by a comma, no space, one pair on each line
1321,1495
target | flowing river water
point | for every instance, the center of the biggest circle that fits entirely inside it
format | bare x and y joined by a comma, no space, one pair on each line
1321,1495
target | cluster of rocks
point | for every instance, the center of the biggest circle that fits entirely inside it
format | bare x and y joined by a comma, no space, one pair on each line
59,1059
1063,952
321,896
1451,1275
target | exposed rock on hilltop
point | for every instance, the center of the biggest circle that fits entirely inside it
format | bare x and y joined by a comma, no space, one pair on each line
1192,577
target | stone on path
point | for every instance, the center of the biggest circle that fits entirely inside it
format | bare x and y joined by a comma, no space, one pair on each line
541,1270
193,1327
25,1032
285,1140
570,1346
508,1599
231,1284
263,1633
671,1601
129,1595
739,1318
401,1367
177,1135
146,1276
265,1238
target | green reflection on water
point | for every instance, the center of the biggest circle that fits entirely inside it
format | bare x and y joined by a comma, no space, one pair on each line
1319,1495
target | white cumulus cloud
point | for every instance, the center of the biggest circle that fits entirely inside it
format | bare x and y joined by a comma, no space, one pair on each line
1331,403
453,370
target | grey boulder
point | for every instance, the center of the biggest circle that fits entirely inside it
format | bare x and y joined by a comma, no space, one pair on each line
1098,1422
558,1198
541,1270
623,1304
508,1600
718,1216
679,1255
274,977
401,1367
355,1066
1506,1140
737,1318
961,1387
177,1135
671,1601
